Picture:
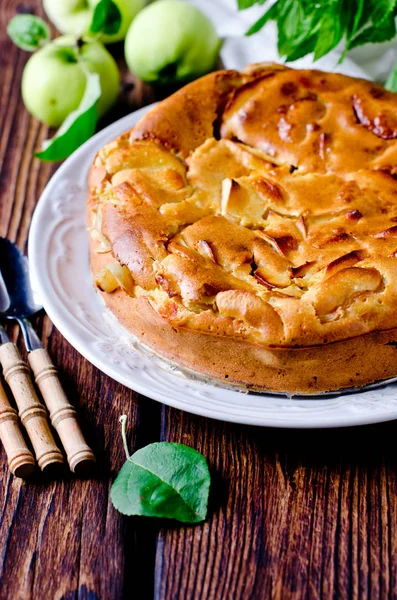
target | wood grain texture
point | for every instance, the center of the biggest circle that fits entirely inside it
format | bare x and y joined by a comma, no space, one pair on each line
61,538
293,514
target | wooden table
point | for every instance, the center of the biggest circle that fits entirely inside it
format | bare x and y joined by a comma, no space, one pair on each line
293,514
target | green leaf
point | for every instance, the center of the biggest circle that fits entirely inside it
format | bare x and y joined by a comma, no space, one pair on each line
163,480
243,4
376,25
295,27
306,26
28,32
78,127
381,10
353,20
371,35
294,22
391,83
106,18
330,31
303,49
270,15
297,30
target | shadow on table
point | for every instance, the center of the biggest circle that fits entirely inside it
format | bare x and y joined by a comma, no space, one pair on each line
364,445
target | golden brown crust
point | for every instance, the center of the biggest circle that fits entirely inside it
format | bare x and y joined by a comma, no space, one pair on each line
256,213
349,363
197,108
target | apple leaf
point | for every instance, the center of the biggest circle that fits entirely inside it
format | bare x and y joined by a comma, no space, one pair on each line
163,480
78,126
28,32
106,18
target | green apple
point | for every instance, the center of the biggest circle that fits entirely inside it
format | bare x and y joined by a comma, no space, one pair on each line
170,41
75,16
53,81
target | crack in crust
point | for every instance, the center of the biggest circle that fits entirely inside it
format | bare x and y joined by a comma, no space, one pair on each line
259,206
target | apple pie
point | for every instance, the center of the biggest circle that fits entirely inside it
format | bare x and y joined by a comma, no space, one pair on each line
246,229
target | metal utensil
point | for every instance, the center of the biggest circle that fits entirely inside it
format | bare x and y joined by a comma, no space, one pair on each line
21,305
17,290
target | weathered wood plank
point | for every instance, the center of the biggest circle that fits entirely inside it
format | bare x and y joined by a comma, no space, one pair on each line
295,514
62,538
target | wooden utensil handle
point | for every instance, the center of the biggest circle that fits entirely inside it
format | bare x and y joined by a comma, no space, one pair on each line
32,413
20,459
63,415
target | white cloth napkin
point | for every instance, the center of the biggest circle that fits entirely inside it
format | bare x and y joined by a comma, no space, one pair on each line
373,61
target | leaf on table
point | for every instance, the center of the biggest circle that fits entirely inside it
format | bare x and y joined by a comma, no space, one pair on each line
106,18
28,32
78,126
163,480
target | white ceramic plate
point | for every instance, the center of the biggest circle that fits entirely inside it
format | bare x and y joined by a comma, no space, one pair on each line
58,251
